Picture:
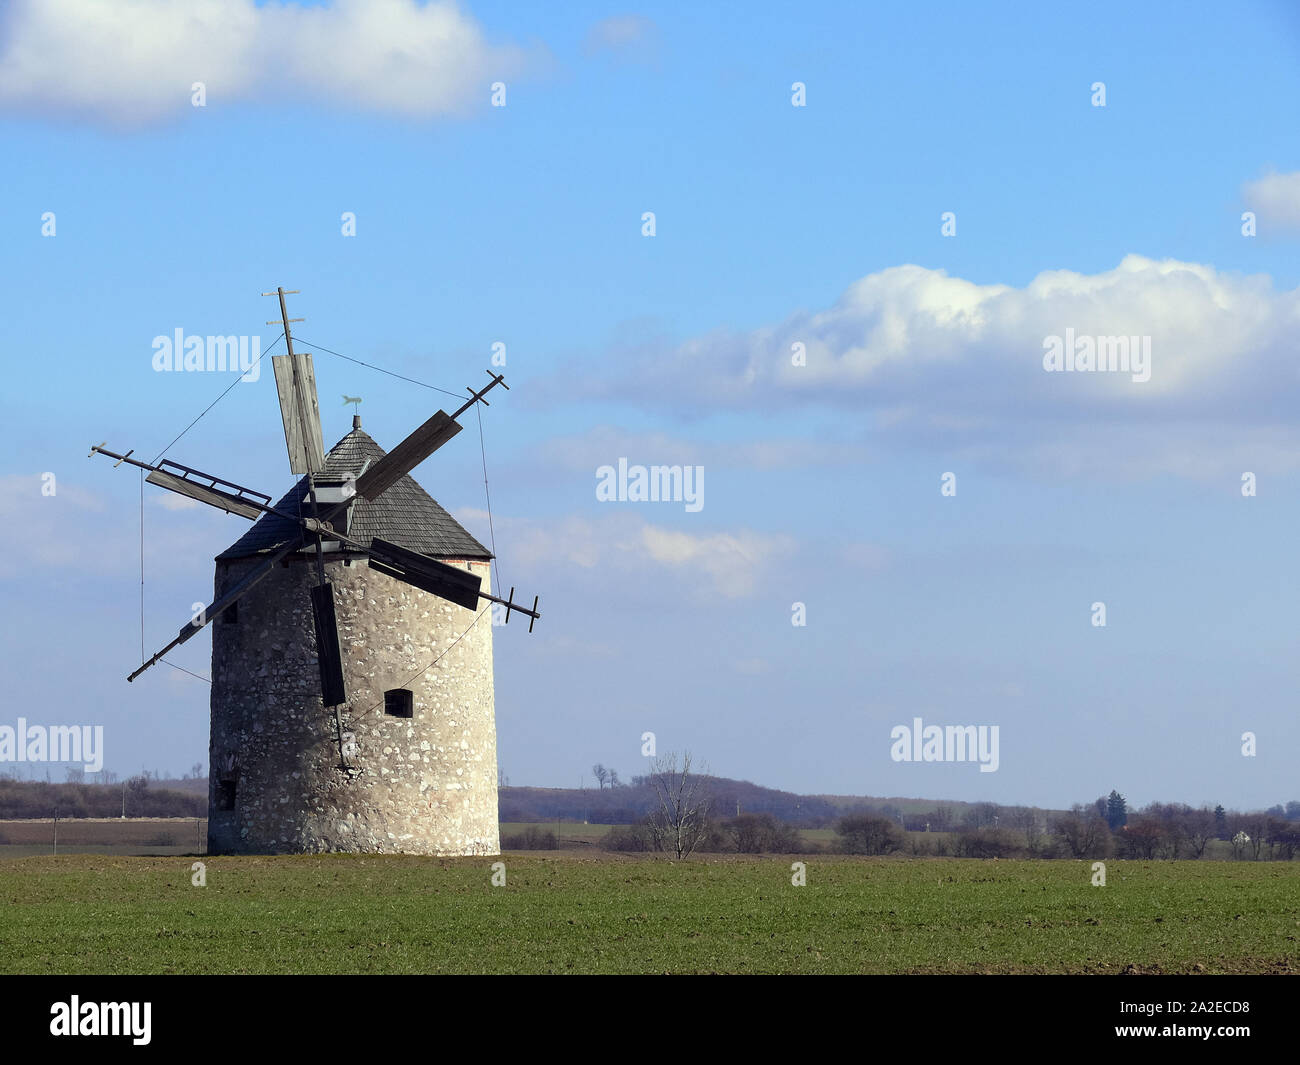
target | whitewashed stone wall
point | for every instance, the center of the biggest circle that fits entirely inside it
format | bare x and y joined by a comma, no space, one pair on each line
427,785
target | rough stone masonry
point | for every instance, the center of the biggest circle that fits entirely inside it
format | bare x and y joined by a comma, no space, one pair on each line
420,785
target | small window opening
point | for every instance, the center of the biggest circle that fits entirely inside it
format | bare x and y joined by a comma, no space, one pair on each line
225,795
399,702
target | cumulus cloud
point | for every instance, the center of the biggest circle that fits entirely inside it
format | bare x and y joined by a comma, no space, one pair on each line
134,61
730,563
1275,199
937,360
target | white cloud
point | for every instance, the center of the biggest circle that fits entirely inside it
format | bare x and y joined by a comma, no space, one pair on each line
1275,199
134,61
923,359
175,502
731,560
732,563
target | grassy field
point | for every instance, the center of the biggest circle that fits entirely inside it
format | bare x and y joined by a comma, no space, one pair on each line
570,912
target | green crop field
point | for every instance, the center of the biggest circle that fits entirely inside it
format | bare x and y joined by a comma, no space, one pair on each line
580,913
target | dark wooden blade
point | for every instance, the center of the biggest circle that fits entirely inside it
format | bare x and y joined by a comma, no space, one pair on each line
328,655
407,455
295,384
447,582
214,497
237,591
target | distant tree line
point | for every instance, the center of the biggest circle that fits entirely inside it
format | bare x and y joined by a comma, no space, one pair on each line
37,798
1106,827
1101,829
531,838
614,802
746,834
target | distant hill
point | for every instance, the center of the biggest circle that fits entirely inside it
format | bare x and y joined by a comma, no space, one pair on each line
620,805
628,803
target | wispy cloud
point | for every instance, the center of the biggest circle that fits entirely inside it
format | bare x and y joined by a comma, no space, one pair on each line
175,502
1275,199
627,38
77,531
131,62
48,532
731,563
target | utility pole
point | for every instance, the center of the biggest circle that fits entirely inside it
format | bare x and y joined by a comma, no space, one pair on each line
56,830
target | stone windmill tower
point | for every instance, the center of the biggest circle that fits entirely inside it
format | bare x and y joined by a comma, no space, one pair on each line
416,768
352,692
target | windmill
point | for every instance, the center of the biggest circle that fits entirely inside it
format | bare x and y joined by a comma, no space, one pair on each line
333,520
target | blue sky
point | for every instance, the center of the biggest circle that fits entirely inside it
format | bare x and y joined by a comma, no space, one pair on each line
775,224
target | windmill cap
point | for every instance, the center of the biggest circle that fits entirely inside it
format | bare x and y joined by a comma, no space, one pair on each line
405,514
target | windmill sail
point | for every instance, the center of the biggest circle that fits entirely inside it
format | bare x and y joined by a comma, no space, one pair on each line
238,591
295,384
211,495
328,655
407,455
438,578
282,530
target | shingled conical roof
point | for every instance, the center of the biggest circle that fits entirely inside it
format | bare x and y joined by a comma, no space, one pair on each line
405,515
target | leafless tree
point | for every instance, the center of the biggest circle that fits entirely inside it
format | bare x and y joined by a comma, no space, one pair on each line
680,820
941,818
1283,838
1144,835
601,774
1200,829
1256,827
1084,833
868,834
1029,820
